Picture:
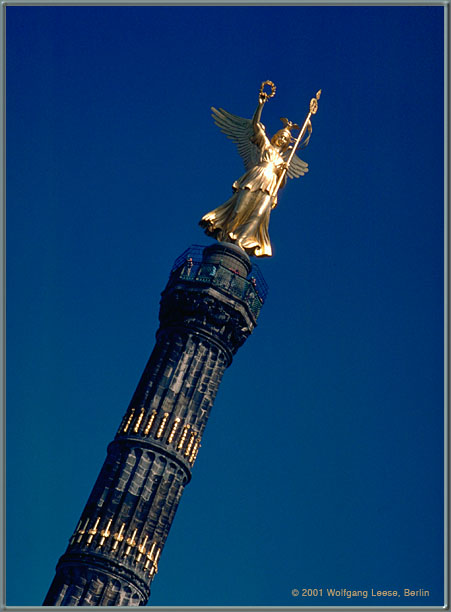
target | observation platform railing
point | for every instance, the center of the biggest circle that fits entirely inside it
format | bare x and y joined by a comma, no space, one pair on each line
252,289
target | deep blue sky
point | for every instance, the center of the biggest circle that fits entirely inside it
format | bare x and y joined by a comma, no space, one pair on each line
322,463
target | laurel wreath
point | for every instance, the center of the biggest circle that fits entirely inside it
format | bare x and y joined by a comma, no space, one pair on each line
264,93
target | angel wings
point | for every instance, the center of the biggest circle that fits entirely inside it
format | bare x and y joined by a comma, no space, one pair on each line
242,132
244,218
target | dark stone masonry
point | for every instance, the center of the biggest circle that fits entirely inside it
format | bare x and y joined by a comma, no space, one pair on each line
208,309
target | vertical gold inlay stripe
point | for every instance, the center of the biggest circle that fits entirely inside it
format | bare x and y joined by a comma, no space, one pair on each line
190,444
139,421
150,423
129,420
105,533
82,531
118,536
183,437
142,549
92,532
162,425
194,452
173,429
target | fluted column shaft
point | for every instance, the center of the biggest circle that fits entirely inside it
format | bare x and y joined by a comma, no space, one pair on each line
113,554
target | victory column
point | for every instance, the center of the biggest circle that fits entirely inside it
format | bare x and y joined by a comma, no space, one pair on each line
208,309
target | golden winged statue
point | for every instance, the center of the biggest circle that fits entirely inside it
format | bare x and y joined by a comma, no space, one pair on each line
244,218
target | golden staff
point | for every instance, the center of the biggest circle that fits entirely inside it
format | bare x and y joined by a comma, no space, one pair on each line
312,111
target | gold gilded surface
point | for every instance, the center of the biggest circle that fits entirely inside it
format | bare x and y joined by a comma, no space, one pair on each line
130,543
82,532
162,425
149,556
306,126
190,444
105,533
138,422
183,437
264,93
174,429
141,549
150,422
314,102
244,218
92,532
129,420
118,536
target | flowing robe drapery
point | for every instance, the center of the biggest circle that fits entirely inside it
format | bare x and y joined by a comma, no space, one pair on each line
244,218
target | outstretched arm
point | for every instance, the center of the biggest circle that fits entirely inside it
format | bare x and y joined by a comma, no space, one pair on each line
259,137
258,112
